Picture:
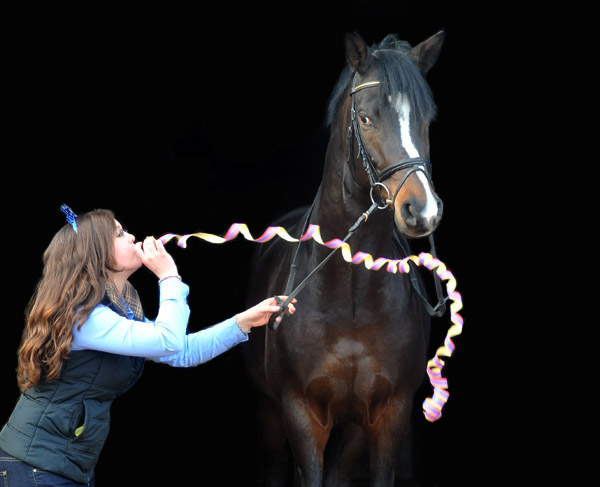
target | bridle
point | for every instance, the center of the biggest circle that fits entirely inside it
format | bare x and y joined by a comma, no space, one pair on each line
376,179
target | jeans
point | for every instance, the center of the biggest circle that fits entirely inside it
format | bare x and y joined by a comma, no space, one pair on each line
15,473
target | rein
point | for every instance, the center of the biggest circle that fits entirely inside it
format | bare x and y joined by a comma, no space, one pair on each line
376,179
292,293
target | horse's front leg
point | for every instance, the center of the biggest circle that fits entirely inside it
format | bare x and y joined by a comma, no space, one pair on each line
307,431
385,438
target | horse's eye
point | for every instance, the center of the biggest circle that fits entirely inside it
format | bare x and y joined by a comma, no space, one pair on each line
365,120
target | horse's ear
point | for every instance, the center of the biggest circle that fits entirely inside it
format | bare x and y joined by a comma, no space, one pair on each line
426,53
357,53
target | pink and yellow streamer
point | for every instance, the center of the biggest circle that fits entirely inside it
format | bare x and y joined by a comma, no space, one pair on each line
432,406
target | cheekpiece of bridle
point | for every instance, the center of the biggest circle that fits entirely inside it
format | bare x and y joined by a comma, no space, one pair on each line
376,178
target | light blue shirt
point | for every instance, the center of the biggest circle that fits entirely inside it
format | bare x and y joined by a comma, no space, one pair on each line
163,340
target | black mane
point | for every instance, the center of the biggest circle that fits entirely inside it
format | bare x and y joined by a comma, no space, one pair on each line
397,72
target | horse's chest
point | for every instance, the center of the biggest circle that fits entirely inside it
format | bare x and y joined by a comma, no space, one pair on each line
347,355
348,382
346,372
353,361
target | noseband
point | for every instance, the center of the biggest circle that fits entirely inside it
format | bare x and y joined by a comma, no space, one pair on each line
377,178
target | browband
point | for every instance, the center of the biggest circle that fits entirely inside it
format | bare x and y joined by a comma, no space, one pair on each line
364,85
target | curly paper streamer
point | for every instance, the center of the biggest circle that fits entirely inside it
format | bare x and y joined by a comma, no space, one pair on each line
432,406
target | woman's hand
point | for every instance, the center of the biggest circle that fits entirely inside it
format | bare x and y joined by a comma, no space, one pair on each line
154,256
260,314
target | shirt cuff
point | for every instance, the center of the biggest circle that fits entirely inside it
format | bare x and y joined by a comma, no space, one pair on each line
173,289
238,334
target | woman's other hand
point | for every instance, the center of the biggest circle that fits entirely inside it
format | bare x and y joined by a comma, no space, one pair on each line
155,257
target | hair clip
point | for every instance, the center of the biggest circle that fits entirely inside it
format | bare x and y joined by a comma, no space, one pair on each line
71,217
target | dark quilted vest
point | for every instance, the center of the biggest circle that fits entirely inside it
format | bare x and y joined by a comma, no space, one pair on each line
44,428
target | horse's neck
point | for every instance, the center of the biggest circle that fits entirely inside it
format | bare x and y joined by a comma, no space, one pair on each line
338,281
340,202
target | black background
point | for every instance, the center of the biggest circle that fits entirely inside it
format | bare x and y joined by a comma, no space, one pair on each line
190,120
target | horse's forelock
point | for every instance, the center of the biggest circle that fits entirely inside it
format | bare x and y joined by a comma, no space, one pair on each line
397,73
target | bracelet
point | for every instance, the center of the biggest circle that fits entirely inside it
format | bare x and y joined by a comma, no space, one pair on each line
245,332
176,276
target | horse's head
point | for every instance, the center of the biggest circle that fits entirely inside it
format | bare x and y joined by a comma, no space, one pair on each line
391,109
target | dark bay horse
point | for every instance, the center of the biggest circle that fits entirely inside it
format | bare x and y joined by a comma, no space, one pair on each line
352,356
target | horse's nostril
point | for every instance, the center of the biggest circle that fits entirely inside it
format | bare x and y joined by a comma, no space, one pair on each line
409,215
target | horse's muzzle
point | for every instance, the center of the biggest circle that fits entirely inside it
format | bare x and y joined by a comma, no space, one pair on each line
415,218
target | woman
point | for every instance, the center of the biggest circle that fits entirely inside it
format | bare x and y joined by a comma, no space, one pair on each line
86,340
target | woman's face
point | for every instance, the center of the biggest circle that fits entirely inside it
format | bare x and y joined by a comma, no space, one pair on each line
127,259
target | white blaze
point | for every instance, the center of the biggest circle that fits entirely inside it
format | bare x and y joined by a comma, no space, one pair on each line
403,109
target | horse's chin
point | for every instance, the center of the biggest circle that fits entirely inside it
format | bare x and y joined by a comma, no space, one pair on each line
418,231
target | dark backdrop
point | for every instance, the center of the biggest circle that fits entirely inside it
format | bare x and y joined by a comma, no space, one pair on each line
190,120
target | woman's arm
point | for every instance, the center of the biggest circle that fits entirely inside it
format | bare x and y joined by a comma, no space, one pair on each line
107,331
202,346
206,344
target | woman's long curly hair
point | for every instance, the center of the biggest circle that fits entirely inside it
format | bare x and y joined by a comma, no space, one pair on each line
77,267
